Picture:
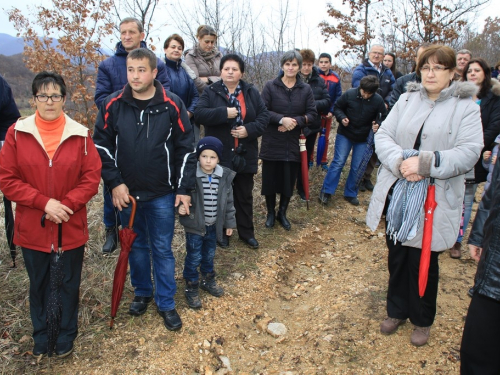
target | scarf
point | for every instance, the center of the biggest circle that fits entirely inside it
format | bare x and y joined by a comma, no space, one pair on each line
234,102
208,56
406,205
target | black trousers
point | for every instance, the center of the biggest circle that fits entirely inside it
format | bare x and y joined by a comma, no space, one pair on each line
310,141
38,266
403,300
370,167
481,338
9,223
243,203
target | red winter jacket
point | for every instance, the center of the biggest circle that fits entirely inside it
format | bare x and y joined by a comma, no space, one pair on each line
30,179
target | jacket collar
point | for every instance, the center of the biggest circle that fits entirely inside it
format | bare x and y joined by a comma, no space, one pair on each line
173,64
159,97
120,50
217,171
456,89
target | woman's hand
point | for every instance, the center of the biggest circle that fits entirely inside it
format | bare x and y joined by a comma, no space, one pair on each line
475,252
204,79
229,232
289,123
57,212
232,112
239,132
409,166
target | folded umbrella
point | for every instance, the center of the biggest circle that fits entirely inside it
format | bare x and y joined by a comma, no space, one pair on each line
304,167
127,238
320,149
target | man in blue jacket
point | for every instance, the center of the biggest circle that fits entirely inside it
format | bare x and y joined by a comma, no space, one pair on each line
112,77
373,66
146,144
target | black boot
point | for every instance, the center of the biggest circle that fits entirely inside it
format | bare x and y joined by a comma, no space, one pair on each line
281,217
208,284
111,240
271,213
192,295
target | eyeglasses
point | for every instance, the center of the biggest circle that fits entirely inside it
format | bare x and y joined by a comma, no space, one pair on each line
435,69
45,98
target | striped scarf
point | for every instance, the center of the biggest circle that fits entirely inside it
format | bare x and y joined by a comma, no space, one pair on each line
406,205
234,102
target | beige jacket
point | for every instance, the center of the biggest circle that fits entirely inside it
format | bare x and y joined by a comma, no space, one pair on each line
452,126
203,68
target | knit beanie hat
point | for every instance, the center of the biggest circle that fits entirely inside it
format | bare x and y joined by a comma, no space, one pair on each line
209,143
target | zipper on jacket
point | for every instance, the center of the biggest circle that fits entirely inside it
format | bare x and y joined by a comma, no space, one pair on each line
50,163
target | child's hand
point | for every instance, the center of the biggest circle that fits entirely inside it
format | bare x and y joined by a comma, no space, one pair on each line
487,155
182,210
229,232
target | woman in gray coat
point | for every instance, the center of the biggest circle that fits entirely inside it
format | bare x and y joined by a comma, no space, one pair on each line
434,130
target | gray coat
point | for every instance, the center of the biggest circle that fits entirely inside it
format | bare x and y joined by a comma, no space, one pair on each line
452,126
195,221
202,68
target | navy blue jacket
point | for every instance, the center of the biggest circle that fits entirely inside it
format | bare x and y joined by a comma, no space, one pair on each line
150,151
385,78
112,74
181,84
8,109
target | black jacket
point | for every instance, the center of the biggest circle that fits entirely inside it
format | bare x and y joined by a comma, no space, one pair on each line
211,112
8,109
485,233
400,87
321,99
490,119
152,152
360,112
298,103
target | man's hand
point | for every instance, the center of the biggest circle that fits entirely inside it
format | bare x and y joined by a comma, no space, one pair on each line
120,196
289,123
375,126
345,121
185,200
475,252
57,212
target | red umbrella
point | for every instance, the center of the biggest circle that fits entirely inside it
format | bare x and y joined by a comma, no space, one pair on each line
425,256
304,167
127,237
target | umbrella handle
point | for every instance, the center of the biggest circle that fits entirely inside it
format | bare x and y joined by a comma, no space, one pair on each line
132,215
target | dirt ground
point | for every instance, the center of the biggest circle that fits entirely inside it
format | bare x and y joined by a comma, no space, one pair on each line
325,281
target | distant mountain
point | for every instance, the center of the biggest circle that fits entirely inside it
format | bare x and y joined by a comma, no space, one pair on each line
10,45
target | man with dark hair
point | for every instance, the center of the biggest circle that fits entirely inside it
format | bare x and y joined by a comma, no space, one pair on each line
146,143
356,112
111,77
334,86
8,116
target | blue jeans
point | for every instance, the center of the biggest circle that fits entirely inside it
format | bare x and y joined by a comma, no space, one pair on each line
343,146
154,225
200,252
111,218
470,193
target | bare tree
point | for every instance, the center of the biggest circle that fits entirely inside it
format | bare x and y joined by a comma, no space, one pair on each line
487,43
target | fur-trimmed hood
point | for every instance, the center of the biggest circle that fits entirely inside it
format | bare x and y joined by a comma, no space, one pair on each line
458,89
495,87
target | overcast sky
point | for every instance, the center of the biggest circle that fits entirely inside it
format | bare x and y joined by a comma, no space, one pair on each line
312,11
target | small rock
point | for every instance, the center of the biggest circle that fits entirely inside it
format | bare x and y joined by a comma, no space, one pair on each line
328,338
206,344
142,340
237,275
262,324
225,362
380,234
24,339
276,329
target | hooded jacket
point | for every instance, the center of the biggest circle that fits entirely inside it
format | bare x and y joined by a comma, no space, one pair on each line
298,103
385,78
29,178
181,84
195,221
452,126
203,68
485,233
112,74
212,113
150,151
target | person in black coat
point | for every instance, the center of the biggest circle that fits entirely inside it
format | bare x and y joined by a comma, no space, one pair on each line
310,75
292,109
8,116
481,335
356,112
233,111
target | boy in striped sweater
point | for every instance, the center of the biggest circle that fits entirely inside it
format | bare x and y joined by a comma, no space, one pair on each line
211,213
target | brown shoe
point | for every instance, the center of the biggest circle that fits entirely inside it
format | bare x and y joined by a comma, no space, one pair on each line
390,325
456,251
420,335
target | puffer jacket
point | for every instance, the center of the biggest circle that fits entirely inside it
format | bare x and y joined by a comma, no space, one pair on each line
321,99
400,87
112,74
297,103
385,78
203,68
360,112
334,86
490,119
212,113
485,233
29,178
181,84
195,221
452,126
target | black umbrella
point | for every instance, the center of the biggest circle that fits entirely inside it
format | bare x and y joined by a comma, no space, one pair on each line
54,303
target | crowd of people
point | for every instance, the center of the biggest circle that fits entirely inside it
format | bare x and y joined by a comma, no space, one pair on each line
182,134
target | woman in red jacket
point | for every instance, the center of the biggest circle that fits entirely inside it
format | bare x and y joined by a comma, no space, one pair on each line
50,167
